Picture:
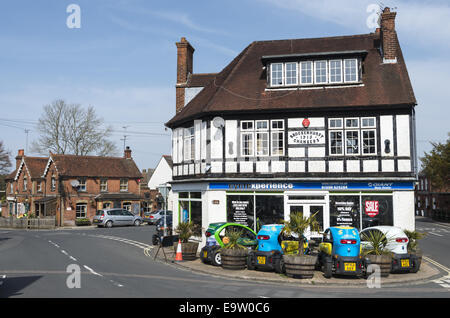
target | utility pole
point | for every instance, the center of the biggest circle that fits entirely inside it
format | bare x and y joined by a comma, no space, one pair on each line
26,140
124,136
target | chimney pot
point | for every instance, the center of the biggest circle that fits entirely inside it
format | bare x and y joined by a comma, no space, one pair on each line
388,36
20,155
127,153
185,59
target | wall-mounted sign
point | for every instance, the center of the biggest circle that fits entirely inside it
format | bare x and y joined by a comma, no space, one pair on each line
306,137
280,186
215,202
306,122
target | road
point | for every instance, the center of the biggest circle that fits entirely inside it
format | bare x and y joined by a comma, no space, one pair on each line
114,264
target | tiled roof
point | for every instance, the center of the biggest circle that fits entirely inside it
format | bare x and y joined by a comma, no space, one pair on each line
241,86
93,166
200,79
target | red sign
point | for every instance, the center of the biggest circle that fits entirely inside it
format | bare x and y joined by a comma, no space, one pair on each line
372,208
305,122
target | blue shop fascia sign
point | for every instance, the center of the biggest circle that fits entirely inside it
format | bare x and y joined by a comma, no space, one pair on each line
332,186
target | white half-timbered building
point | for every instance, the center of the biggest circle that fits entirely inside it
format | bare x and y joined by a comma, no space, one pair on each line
322,125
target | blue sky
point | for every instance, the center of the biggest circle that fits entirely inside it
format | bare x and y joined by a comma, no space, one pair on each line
123,58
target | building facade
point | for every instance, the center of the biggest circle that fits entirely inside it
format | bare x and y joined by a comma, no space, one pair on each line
324,125
430,201
73,187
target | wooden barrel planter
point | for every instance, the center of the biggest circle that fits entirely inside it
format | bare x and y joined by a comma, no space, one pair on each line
300,266
384,261
234,259
188,250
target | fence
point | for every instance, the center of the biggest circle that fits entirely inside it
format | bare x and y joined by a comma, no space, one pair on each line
25,223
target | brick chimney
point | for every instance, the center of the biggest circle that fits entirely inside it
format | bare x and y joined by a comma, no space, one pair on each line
127,153
185,54
389,42
20,155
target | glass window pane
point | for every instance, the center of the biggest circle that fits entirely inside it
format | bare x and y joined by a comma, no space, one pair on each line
269,209
352,142
369,141
276,74
291,73
262,144
377,210
320,72
306,73
240,209
351,70
344,210
335,71
336,143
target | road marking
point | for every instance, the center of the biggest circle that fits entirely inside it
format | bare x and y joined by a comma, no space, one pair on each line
92,271
443,281
435,234
141,245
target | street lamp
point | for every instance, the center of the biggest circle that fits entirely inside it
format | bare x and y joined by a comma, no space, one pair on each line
164,190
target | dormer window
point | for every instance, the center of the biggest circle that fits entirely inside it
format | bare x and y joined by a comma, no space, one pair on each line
319,72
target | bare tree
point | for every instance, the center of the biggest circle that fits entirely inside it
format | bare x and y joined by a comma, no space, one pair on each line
5,162
71,129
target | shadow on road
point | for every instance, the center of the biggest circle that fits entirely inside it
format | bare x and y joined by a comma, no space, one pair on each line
11,286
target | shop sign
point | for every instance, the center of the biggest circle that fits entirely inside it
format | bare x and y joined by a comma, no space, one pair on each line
344,211
372,208
306,137
332,186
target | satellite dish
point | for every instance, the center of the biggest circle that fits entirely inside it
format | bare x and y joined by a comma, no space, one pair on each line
74,183
218,122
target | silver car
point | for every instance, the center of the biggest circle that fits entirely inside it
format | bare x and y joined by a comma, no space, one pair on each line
116,217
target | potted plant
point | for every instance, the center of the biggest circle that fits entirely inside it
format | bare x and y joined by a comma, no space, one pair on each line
185,231
375,252
300,265
233,254
413,249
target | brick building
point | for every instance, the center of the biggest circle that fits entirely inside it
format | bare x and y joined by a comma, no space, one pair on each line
316,125
71,187
430,201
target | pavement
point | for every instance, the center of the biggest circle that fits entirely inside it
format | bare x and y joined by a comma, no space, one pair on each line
427,272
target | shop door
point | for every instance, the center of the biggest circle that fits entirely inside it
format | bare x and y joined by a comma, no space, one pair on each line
308,209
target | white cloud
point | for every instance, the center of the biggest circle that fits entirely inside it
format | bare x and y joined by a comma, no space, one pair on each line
424,22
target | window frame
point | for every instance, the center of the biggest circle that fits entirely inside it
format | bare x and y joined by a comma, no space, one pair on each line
189,144
340,127
266,148
121,188
311,63
356,70
340,73
342,142
272,72
374,138
252,148
326,72
374,122
81,204
351,127
103,185
358,143
82,185
286,77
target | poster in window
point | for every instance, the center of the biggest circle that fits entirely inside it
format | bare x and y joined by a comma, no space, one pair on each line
344,210
240,209
377,210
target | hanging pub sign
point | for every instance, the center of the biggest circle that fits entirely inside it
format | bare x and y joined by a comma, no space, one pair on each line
306,137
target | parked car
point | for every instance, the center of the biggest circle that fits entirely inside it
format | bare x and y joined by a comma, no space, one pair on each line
153,217
156,238
272,244
216,238
116,217
339,252
397,243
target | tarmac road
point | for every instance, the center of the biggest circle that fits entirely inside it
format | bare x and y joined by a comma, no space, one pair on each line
115,263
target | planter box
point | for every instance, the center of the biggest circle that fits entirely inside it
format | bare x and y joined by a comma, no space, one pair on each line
234,259
301,266
384,261
188,250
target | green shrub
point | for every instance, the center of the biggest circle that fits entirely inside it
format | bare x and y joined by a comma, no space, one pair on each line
82,222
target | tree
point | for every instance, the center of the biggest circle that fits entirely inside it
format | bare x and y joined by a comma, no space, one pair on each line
5,162
70,129
436,165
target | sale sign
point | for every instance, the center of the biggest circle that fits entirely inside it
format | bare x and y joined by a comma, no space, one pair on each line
372,208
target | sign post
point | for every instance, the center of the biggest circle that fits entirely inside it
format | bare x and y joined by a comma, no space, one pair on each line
164,190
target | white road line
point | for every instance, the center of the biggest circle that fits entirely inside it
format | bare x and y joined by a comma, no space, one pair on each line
64,252
92,271
435,234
